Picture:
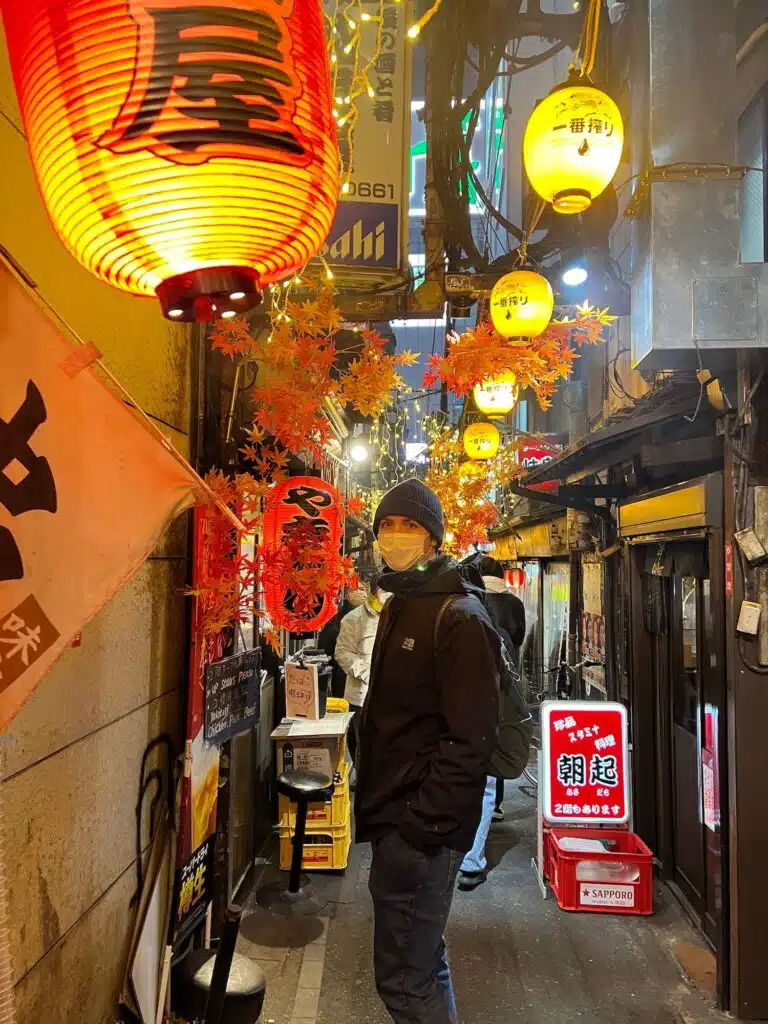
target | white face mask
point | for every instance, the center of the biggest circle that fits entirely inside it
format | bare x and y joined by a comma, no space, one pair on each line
358,597
402,551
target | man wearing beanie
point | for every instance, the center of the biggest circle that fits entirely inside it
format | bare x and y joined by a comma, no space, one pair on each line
427,732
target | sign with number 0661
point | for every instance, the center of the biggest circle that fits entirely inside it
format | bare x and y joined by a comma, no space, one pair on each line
585,763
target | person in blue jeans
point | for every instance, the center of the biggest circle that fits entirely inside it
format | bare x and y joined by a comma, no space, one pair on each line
475,864
508,615
425,743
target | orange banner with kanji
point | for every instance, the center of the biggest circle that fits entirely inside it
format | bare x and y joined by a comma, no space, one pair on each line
86,492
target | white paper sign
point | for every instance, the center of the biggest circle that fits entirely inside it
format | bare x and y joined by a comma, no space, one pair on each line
302,698
600,895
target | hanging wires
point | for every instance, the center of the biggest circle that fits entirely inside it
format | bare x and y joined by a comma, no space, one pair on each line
415,30
586,51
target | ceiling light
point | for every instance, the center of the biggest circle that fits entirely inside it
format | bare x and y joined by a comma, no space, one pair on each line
358,452
574,276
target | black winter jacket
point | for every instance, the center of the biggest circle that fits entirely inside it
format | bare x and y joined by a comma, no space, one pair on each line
429,723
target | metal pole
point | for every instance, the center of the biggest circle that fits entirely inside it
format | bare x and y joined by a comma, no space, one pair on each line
217,994
294,881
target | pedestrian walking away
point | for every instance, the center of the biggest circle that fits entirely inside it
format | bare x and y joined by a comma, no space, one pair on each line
508,615
427,733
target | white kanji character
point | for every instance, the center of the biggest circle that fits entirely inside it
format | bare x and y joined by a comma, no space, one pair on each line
568,809
559,725
27,639
570,722
13,623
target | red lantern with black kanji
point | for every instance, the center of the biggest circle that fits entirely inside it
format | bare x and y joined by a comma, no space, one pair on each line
302,574
184,148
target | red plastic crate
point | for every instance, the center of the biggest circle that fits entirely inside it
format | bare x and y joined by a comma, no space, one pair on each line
614,881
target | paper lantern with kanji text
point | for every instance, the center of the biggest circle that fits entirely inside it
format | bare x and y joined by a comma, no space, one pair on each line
521,305
481,441
498,396
303,526
572,146
184,148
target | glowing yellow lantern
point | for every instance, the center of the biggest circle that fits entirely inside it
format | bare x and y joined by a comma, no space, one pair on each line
497,397
572,146
522,304
481,441
471,470
184,149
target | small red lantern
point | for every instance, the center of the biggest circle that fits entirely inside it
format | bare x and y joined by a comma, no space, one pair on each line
516,578
183,147
303,524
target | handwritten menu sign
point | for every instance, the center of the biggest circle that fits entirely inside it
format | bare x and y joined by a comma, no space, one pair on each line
232,692
302,698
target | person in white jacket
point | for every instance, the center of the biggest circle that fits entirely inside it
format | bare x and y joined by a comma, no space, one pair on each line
354,649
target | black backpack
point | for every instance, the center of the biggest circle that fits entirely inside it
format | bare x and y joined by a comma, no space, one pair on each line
515,730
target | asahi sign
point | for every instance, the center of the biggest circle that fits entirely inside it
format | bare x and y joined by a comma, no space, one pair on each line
370,230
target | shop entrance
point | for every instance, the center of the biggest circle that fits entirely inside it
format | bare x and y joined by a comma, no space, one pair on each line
678,691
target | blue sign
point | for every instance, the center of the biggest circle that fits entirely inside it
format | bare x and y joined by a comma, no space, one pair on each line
365,235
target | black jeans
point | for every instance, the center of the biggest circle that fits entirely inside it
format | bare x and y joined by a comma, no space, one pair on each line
412,895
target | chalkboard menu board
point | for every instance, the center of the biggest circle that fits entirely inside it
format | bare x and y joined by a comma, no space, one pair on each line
232,693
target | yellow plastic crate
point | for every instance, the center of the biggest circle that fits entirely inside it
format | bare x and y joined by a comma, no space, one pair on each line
327,850
337,706
333,813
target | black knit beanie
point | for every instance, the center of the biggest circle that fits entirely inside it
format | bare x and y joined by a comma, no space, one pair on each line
415,501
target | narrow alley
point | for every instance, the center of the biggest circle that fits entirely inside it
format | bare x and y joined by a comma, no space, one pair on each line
514,957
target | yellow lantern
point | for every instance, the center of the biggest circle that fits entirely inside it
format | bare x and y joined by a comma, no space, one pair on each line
481,441
572,146
522,304
472,470
497,397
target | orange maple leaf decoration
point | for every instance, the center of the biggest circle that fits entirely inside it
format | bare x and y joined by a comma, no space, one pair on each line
297,374
482,353
306,563
464,488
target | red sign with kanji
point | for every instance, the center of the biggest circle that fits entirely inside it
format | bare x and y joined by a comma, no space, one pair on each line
585,763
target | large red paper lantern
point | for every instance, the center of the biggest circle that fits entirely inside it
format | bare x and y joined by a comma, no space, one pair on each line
183,147
290,505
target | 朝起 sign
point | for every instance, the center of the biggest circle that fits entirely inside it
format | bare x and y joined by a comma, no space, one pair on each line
585,763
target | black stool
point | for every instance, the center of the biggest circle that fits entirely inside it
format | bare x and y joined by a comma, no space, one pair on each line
216,986
302,788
